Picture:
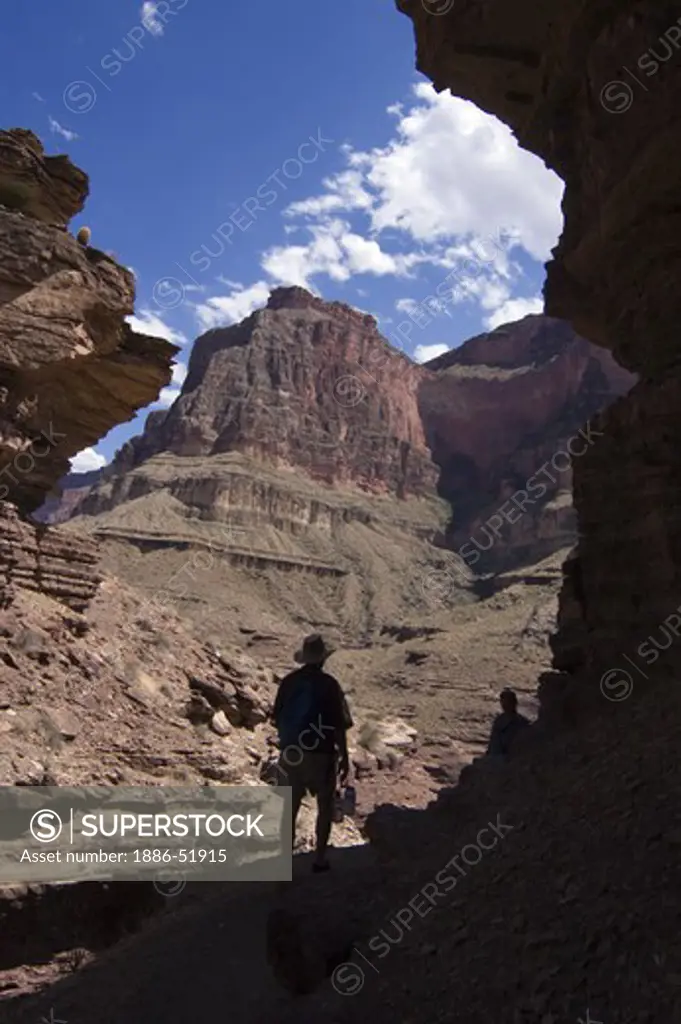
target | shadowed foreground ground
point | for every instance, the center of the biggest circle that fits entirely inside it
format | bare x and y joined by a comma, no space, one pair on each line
199,962
575,909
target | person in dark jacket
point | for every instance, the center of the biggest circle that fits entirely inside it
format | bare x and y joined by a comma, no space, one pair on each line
312,718
506,726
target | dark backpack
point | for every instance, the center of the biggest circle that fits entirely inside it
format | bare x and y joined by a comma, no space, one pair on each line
301,710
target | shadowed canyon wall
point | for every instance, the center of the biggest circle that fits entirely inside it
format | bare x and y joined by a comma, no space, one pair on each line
501,414
593,89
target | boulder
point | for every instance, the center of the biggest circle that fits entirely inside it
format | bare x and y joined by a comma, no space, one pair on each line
219,723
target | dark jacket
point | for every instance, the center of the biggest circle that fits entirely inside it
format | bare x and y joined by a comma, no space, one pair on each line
504,731
333,713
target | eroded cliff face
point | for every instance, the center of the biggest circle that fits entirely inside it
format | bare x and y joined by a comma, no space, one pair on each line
70,367
302,384
502,416
295,479
63,500
294,468
593,89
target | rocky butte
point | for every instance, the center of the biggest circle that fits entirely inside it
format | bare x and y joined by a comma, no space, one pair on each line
292,386
296,448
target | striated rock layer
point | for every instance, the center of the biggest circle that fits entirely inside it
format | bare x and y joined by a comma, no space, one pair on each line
49,561
46,188
562,78
236,543
70,366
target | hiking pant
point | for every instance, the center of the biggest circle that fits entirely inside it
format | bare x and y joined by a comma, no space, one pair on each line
313,773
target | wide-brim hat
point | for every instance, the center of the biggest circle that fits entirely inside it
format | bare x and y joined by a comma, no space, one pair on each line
313,650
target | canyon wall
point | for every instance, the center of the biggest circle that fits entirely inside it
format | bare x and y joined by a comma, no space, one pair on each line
64,498
502,414
562,79
293,467
70,366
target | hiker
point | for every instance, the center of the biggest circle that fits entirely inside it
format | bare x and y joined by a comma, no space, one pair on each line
312,719
506,726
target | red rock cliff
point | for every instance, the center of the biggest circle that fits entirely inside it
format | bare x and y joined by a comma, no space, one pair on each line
304,384
495,411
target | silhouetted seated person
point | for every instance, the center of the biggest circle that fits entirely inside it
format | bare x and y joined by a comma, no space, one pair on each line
506,726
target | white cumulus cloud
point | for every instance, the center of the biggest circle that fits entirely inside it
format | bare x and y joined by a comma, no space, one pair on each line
337,252
450,171
423,353
87,460
513,309
452,183
344,191
222,310
148,322
452,188
455,170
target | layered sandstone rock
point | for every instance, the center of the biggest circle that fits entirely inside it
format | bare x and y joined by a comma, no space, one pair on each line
46,188
233,541
293,466
54,563
335,534
594,91
70,367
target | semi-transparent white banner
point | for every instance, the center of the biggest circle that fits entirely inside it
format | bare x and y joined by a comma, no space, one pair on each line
144,833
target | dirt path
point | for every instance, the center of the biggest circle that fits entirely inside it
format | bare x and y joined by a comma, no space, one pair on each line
201,963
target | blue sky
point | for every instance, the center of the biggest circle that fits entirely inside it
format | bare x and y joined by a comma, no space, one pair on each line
232,148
